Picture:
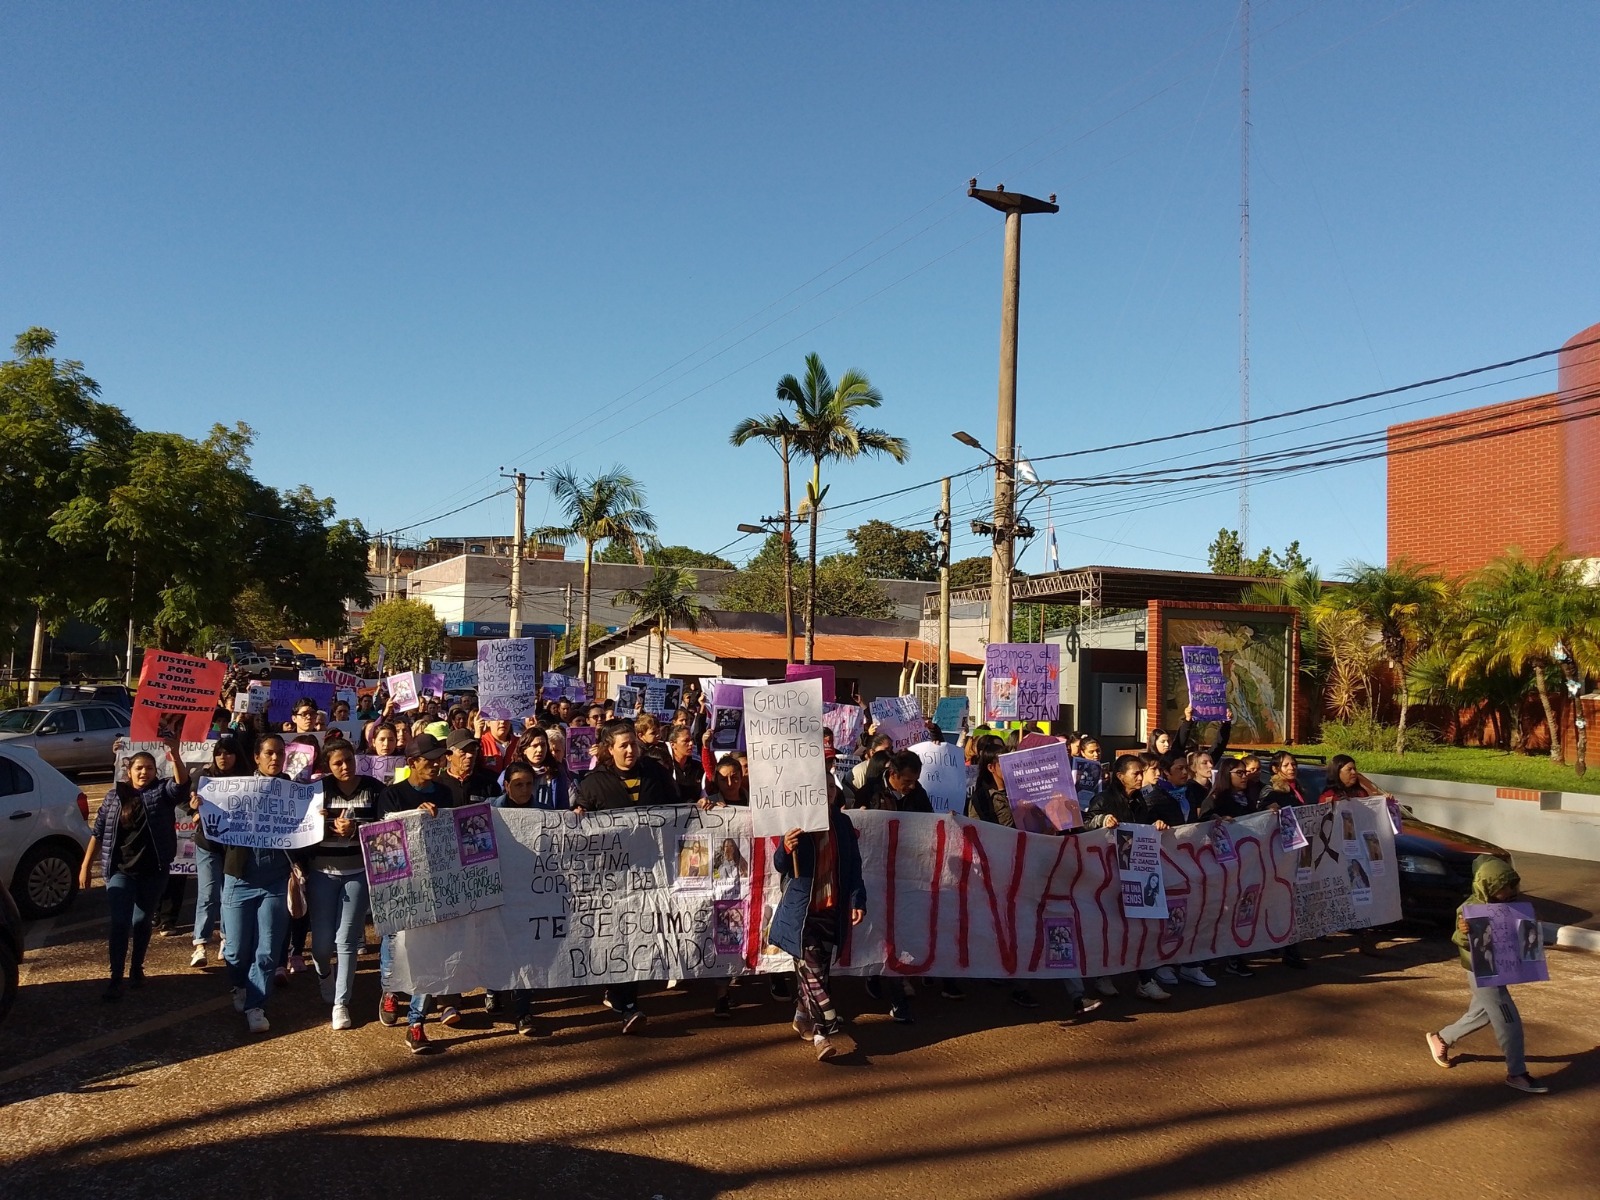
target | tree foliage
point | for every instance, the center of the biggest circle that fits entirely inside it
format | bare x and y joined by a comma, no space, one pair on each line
971,572
889,552
843,587
619,552
409,631
1226,556
667,600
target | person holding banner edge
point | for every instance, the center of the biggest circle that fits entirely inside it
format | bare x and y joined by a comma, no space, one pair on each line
337,881
135,838
255,907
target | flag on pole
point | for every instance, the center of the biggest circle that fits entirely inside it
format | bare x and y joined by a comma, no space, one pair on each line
1050,548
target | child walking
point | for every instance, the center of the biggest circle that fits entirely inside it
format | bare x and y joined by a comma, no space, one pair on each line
1493,882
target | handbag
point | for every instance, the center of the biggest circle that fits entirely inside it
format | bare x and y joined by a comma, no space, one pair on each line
297,893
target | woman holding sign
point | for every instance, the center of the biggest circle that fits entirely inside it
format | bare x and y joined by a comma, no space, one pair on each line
226,760
255,907
135,838
337,880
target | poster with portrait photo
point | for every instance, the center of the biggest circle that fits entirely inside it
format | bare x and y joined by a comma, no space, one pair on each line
693,863
728,926
1372,844
730,867
475,835
1061,944
1505,943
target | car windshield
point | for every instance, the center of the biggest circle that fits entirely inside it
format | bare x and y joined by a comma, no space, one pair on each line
21,720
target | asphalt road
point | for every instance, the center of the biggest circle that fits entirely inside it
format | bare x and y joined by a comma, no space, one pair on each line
1307,1084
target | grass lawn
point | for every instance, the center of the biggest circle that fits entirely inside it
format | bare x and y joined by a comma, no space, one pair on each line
1462,765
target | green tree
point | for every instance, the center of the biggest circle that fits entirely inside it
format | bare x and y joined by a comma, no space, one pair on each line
409,631
971,572
843,588
826,415
780,432
665,556
1404,604
889,552
1538,615
1226,556
567,644
667,599
608,507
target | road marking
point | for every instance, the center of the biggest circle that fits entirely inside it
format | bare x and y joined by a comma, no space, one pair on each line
113,1038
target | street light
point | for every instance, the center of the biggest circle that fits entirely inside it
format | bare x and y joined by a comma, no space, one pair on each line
966,439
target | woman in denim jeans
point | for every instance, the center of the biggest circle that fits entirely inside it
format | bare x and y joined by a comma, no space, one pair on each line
337,881
226,760
135,838
255,907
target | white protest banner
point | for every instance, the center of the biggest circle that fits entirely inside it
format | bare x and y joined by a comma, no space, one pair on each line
1139,870
195,754
460,676
508,678
900,718
592,900
403,691
177,694
269,814
312,675
944,776
788,774
422,870
343,681
379,766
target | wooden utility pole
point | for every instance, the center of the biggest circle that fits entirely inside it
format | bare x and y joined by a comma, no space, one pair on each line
1014,205
516,557
944,587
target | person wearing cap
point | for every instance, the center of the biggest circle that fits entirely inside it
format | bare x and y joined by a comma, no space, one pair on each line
419,791
467,782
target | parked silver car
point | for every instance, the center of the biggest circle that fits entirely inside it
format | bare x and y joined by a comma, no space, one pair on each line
44,827
70,737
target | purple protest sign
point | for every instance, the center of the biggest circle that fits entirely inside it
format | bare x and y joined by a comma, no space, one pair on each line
829,678
580,747
286,693
1208,689
1039,789
1505,944
1022,681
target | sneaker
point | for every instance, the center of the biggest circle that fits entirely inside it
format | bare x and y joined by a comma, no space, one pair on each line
1237,966
824,1047
198,958
341,1017
1023,998
802,1026
296,963
1438,1051
491,1003
1152,991
326,982
633,1020
899,1012
417,1039
256,1020
1525,1083
528,1027
136,977
113,991
952,990
1105,986
1196,976
450,1017
1082,1007
1166,977
388,1010
721,1007
238,999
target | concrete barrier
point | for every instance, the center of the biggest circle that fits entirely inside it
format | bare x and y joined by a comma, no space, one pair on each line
1565,824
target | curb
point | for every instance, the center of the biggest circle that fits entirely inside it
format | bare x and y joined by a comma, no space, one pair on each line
1574,937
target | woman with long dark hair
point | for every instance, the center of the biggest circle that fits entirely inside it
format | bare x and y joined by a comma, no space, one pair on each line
226,760
255,907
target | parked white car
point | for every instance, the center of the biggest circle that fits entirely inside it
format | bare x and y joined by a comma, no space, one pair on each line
44,827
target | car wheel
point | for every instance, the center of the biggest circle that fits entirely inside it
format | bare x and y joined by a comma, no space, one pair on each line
10,975
46,882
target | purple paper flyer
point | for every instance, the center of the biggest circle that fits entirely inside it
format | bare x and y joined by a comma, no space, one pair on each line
383,843
1505,943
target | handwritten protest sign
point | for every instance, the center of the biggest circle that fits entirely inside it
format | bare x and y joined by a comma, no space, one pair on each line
286,693
591,900
343,681
1505,944
1139,871
403,691
900,719
508,678
662,697
422,870
311,675
1208,689
459,676
1039,788
251,700
381,767
951,716
183,863
269,814
195,754
177,695
830,685
580,747
1022,681
556,686
847,721
944,776
788,775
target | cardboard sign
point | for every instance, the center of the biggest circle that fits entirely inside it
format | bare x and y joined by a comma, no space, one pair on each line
508,678
788,774
1208,689
1022,681
1039,788
286,693
951,716
1505,943
900,719
269,814
829,677
177,694
403,691
944,776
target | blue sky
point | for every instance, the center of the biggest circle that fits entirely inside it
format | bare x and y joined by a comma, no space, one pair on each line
412,244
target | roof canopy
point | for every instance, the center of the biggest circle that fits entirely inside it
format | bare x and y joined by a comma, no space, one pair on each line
1109,587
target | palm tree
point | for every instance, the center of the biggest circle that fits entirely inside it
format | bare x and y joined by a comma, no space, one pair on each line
1404,604
1524,613
667,599
780,432
608,507
825,414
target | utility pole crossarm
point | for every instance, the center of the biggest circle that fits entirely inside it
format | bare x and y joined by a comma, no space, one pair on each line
1012,202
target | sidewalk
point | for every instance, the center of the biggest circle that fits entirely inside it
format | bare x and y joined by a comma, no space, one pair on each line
1566,895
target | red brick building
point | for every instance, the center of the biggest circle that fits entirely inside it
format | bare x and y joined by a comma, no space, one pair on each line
1458,499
